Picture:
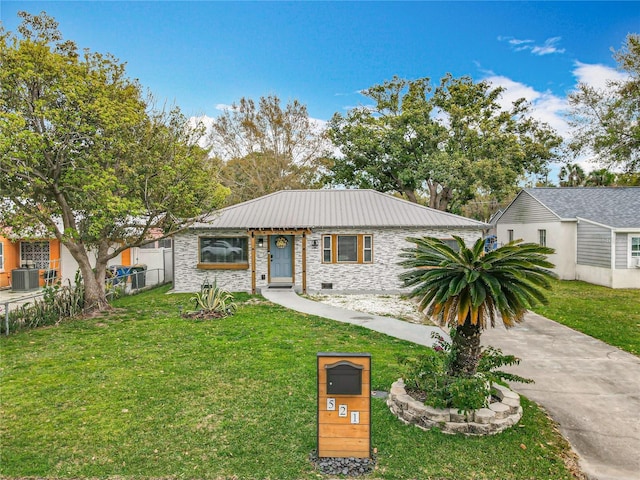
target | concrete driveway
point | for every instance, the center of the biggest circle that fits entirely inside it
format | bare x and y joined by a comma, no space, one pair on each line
590,388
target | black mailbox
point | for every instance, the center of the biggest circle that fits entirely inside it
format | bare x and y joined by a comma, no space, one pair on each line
344,378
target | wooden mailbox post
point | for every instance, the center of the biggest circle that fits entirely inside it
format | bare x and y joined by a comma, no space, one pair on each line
344,405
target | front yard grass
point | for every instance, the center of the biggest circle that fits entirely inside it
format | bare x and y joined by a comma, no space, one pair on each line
142,393
612,316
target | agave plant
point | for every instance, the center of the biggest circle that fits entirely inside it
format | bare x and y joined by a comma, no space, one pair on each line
213,300
468,289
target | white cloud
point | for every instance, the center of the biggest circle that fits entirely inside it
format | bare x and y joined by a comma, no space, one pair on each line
223,107
548,47
545,106
596,75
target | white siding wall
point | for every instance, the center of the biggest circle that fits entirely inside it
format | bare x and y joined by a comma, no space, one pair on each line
561,236
594,245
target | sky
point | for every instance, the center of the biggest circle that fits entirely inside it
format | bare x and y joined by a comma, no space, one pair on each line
203,55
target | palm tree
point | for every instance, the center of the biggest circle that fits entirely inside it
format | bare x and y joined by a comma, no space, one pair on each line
571,175
600,178
468,289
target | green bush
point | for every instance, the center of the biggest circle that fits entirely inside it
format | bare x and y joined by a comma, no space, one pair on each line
58,302
427,375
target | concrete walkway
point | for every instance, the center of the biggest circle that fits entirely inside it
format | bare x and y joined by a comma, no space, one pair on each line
590,388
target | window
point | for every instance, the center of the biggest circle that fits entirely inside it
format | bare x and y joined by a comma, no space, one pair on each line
542,238
1,256
452,243
509,236
635,247
228,252
162,243
367,253
36,253
347,248
327,249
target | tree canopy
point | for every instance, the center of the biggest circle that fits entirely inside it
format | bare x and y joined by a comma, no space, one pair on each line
447,144
84,156
606,120
265,147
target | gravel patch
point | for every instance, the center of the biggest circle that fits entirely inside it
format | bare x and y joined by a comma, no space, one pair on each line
394,306
350,466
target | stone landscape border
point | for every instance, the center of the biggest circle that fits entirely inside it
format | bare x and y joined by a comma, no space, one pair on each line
499,416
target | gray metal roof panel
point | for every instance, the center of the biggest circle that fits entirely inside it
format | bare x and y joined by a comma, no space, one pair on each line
290,209
617,207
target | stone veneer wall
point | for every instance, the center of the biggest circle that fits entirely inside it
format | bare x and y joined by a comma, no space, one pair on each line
379,276
484,421
187,277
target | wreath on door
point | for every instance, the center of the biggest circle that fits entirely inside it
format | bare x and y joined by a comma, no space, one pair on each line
281,242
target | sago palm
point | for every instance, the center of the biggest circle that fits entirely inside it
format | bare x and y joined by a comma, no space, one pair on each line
468,289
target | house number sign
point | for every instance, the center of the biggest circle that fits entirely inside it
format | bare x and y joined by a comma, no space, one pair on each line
344,405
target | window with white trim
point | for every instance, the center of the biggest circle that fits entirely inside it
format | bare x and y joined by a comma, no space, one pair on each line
1,256
367,248
634,249
327,249
542,238
509,235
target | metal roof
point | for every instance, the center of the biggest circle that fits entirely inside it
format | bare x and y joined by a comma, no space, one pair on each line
617,207
294,209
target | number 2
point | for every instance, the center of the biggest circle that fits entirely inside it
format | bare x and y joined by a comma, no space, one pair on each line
342,411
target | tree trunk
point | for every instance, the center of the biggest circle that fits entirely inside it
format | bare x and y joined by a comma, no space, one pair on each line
466,345
95,298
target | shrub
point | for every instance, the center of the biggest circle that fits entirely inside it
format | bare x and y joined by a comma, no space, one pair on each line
58,302
428,376
212,302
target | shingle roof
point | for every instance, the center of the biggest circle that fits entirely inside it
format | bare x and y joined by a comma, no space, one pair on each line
617,207
289,209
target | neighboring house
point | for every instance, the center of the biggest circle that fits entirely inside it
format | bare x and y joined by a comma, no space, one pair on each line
41,254
312,240
595,231
54,261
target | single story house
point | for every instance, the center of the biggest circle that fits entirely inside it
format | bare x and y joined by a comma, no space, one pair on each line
594,231
311,240
55,263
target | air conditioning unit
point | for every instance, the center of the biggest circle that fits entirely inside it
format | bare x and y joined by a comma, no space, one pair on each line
25,279
636,262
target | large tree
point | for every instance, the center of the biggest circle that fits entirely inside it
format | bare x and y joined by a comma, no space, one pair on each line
449,143
266,147
606,121
469,290
84,158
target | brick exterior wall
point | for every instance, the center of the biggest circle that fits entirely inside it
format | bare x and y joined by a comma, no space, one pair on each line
379,276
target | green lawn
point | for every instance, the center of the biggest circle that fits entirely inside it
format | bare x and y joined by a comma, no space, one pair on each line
143,393
612,316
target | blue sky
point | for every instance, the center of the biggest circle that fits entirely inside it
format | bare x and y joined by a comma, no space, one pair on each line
204,55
